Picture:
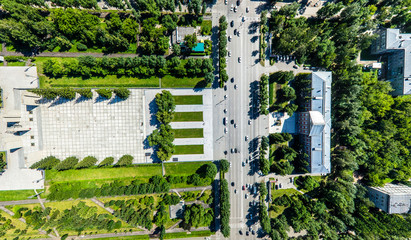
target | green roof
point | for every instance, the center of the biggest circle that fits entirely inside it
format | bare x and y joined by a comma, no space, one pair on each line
198,48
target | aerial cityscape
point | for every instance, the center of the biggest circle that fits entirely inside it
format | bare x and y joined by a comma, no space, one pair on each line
205,119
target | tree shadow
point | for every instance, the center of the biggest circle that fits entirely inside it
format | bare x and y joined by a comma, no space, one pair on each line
116,99
100,99
152,106
200,86
82,99
59,101
253,96
253,153
214,55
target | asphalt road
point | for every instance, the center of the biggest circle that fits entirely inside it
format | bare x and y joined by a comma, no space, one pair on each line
241,107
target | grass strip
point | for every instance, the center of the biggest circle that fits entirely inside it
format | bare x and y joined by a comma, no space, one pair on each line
189,149
205,233
188,99
188,133
14,195
103,173
169,81
182,169
188,117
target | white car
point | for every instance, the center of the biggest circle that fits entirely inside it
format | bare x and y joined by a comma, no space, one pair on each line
249,122
246,138
225,130
229,53
235,9
225,2
247,9
232,6
235,86
229,38
238,33
225,110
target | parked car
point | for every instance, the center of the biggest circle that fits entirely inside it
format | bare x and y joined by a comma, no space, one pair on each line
232,6
225,130
243,187
232,23
246,196
247,9
229,38
229,53
225,2
225,121
235,9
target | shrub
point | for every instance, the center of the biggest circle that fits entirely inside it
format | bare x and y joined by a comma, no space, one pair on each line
105,93
81,47
108,161
47,93
86,162
124,161
122,93
67,93
85,92
68,163
46,163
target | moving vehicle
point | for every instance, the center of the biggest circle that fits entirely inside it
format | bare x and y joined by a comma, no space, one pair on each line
247,9
229,38
225,130
232,23
249,122
225,121
243,163
232,184
243,187
238,2
225,2
231,9
246,196
232,150
246,138
243,19
225,110
238,33
235,9
229,53
239,59
235,125
235,86
232,80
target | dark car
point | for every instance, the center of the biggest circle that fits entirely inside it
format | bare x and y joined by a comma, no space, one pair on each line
241,232
232,121
232,184
232,80
235,31
238,2
232,23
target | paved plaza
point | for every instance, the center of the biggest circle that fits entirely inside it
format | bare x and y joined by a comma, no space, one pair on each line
95,127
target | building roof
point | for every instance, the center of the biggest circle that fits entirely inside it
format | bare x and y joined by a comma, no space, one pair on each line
199,47
180,32
321,115
394,189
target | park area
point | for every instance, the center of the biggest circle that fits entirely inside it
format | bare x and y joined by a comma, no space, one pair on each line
141,214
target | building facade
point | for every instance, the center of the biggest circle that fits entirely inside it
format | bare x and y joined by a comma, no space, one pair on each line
392,198
314,125
395,47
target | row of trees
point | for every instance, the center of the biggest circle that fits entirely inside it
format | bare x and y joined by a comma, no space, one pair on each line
52,162
143,67
163,138
264,162
264,31
70,94
74,190
264,96
264,218
225,208
222,50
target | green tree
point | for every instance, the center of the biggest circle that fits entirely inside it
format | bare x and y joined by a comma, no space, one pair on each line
122,93
104,93
66,164
190,40
224,165
108,161
125,161
86,162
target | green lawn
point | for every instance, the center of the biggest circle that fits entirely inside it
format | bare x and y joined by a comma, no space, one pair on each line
188,99
104,173
17,194
146,237
169,81
278,193
205,233
271,92
182,169
206,24
16,64
188,133
188,117
189,149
